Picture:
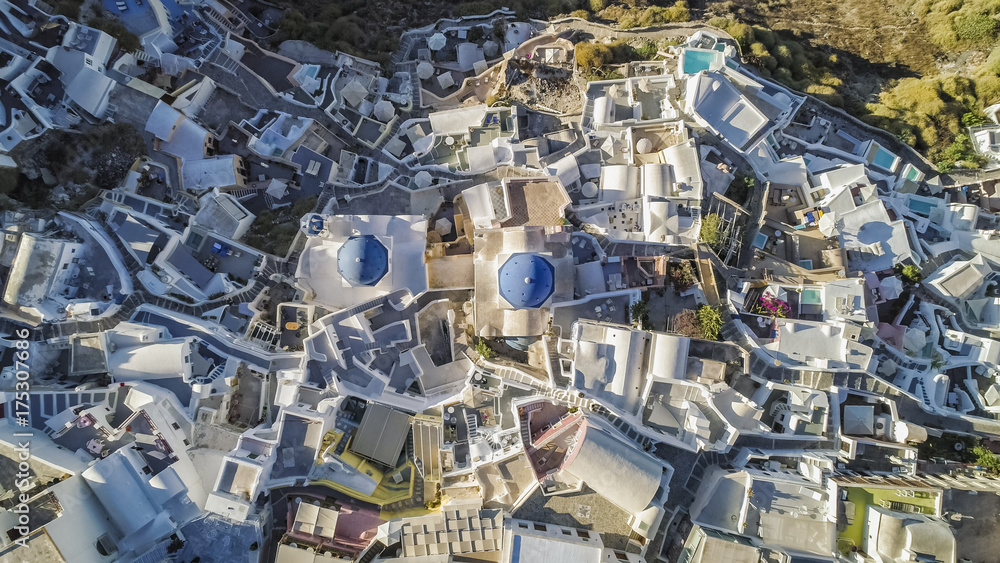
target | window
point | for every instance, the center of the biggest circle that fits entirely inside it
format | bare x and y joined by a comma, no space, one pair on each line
567,533
65,266
540,528
583,534
175,425
522,525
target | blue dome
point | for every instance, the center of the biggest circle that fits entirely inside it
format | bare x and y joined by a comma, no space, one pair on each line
363,260
526,280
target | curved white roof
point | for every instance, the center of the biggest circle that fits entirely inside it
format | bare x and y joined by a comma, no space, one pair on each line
603,462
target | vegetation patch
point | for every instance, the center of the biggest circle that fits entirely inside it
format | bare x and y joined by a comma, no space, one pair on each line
913,68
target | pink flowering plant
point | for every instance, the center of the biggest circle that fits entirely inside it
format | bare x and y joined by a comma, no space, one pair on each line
771,305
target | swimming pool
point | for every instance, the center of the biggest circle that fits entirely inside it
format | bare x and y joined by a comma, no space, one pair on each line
697,60
919,206
760,240
883,159
811,297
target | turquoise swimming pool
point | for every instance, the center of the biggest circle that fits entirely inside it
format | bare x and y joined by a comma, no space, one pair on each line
883,159
760,240
811,297
919,206
696,61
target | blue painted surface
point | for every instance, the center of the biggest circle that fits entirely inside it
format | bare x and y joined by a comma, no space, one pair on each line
515,556
316,224
363,260
526,280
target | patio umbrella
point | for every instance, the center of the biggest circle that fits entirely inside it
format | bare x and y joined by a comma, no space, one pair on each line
491,48
423,179
891,287
442,226
437,42
914,340
644,146
446,80
425,70
827,223
384,111
888,368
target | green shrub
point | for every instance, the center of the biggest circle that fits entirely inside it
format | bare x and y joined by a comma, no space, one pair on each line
911,273
987,459
764,36
647,51
709,322
639,314
592,55
975,28
484,350
711,230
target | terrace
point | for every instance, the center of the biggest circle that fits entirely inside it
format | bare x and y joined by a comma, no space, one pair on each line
852,509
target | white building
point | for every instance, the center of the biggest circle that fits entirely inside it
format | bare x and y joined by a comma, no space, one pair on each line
350,259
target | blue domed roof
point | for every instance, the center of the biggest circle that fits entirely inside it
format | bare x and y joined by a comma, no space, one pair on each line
526,280
363,260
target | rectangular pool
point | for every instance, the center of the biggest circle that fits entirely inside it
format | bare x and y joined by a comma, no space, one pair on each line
811,297
919,206
760,240
696,60
883,159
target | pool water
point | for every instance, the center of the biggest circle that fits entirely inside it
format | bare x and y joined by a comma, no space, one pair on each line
696,60
811,297
919,206
883,159
760,240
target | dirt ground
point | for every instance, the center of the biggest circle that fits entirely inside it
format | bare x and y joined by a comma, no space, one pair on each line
546,88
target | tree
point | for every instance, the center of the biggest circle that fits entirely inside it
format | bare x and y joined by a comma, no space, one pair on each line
175,545
711,230
682,276
709,322
911,273
8,180
592,55
639,313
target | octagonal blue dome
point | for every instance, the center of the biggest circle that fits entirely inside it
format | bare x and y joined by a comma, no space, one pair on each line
363,260
526,280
